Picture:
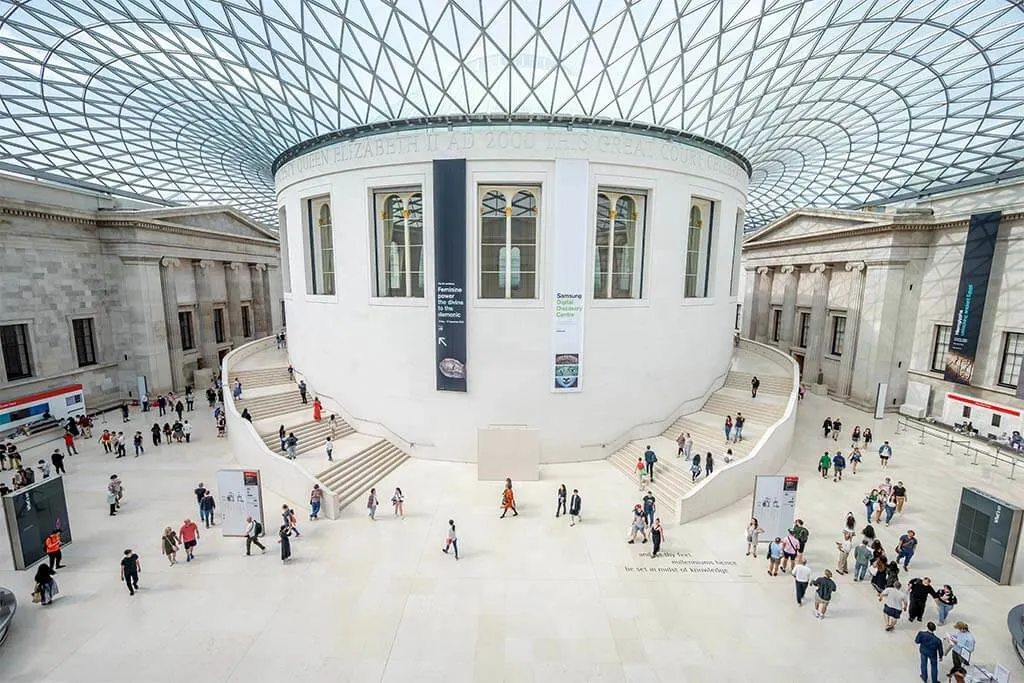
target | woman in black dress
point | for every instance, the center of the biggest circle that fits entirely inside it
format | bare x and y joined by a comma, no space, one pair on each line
45,584
286,544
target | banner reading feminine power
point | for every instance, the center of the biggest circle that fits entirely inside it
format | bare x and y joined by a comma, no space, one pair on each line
570,274
970,299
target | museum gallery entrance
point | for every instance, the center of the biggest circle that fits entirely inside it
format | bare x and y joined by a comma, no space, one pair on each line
799,358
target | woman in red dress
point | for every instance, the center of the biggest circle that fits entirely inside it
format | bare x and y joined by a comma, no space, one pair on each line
316,409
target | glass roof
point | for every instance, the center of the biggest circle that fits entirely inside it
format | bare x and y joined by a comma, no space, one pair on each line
834,102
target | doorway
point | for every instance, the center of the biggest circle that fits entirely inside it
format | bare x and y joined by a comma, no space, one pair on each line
799,358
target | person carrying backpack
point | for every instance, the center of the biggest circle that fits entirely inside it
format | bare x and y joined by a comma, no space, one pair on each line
252,536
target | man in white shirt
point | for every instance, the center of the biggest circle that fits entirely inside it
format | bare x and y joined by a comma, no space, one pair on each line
802,576
186,429
894,602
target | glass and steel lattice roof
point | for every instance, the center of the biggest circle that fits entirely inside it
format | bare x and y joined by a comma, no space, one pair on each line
833,102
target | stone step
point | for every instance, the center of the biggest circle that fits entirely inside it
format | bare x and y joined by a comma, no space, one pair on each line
311,435
271,406
706,438
769,384
354,476
252,379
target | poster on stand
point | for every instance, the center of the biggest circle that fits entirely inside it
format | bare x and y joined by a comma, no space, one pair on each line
570,274
979,249
240,496
774,504
450,274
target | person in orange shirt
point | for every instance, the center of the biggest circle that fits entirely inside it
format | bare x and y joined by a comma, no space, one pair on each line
52,546
189,535
317,408
508,502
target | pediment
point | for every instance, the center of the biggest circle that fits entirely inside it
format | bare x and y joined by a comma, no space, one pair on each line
804,223
220,219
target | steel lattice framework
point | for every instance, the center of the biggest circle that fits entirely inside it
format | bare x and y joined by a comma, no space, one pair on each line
834,102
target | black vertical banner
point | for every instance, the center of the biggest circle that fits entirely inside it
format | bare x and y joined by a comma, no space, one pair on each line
450,273
970,298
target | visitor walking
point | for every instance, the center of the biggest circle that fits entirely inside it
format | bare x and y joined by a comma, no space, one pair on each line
46,587
649,459
189,535
844,547
161,403
69,444
823,595
290,444
918,592
106,440
838,465
452,540
508,502
657,535
929,646
371,504
681,444
802,578
52,545
906,548
855,437
867,436
802,534
253,531
155,431
824,463
317,409
894,602
283,535
709,465
884,453
695,468
575,503
560,501
728,427
186,429
137,441
117,488
206,508
131,566
302,391
398,503
639,525
179,408
124,411
861,560
190,399
855,458
169,544
288,518
754,532
755,383
43,468
641,471
57,458
648,503
774,556
315,497
237,391
790,549
945,600
826,426
899,495
329,448
837,427
737,428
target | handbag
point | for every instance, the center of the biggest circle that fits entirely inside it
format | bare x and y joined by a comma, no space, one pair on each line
37,596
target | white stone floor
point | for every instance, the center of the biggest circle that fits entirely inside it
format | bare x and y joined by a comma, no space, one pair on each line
531,599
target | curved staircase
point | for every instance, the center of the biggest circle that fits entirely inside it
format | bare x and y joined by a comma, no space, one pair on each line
672,478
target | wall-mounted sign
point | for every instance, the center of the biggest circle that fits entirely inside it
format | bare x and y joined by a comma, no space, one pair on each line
450,273
970,299
774,504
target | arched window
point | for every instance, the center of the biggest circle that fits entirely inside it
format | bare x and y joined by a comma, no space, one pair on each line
318,239
508,243
399,243
698,248
618,245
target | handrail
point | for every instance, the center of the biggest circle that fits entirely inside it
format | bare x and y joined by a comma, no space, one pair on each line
350,417
969,444
675,412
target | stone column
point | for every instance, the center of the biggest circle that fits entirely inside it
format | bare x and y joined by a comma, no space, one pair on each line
169,290
259,299
147,325
764,298
204,302
268,303
852,326
788,307
819,314
234,310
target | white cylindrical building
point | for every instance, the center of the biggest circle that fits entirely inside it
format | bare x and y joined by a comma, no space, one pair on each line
577,281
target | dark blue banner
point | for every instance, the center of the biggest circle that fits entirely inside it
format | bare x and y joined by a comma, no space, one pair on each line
970,299
450,273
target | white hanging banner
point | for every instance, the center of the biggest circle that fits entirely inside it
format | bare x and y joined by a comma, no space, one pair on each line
572,185
239,497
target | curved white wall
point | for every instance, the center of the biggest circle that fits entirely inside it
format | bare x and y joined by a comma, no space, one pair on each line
641,359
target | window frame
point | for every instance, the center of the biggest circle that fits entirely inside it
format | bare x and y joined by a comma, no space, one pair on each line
219,336
380,272
704,251
282,239
509,190
25,344
939,347
89,355
614,194
246,314
1015,366
837,336
775,331
734,274
318,285
190,344
803,320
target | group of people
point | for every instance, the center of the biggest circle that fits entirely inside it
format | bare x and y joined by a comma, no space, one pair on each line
646,523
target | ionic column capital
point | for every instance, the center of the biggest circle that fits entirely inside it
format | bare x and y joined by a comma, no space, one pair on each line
234,265
170,262
763,270
818,267
787,270
258,266
855,266
204,264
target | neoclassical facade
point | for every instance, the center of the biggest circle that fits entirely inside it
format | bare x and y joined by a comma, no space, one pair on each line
101,291
863,298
